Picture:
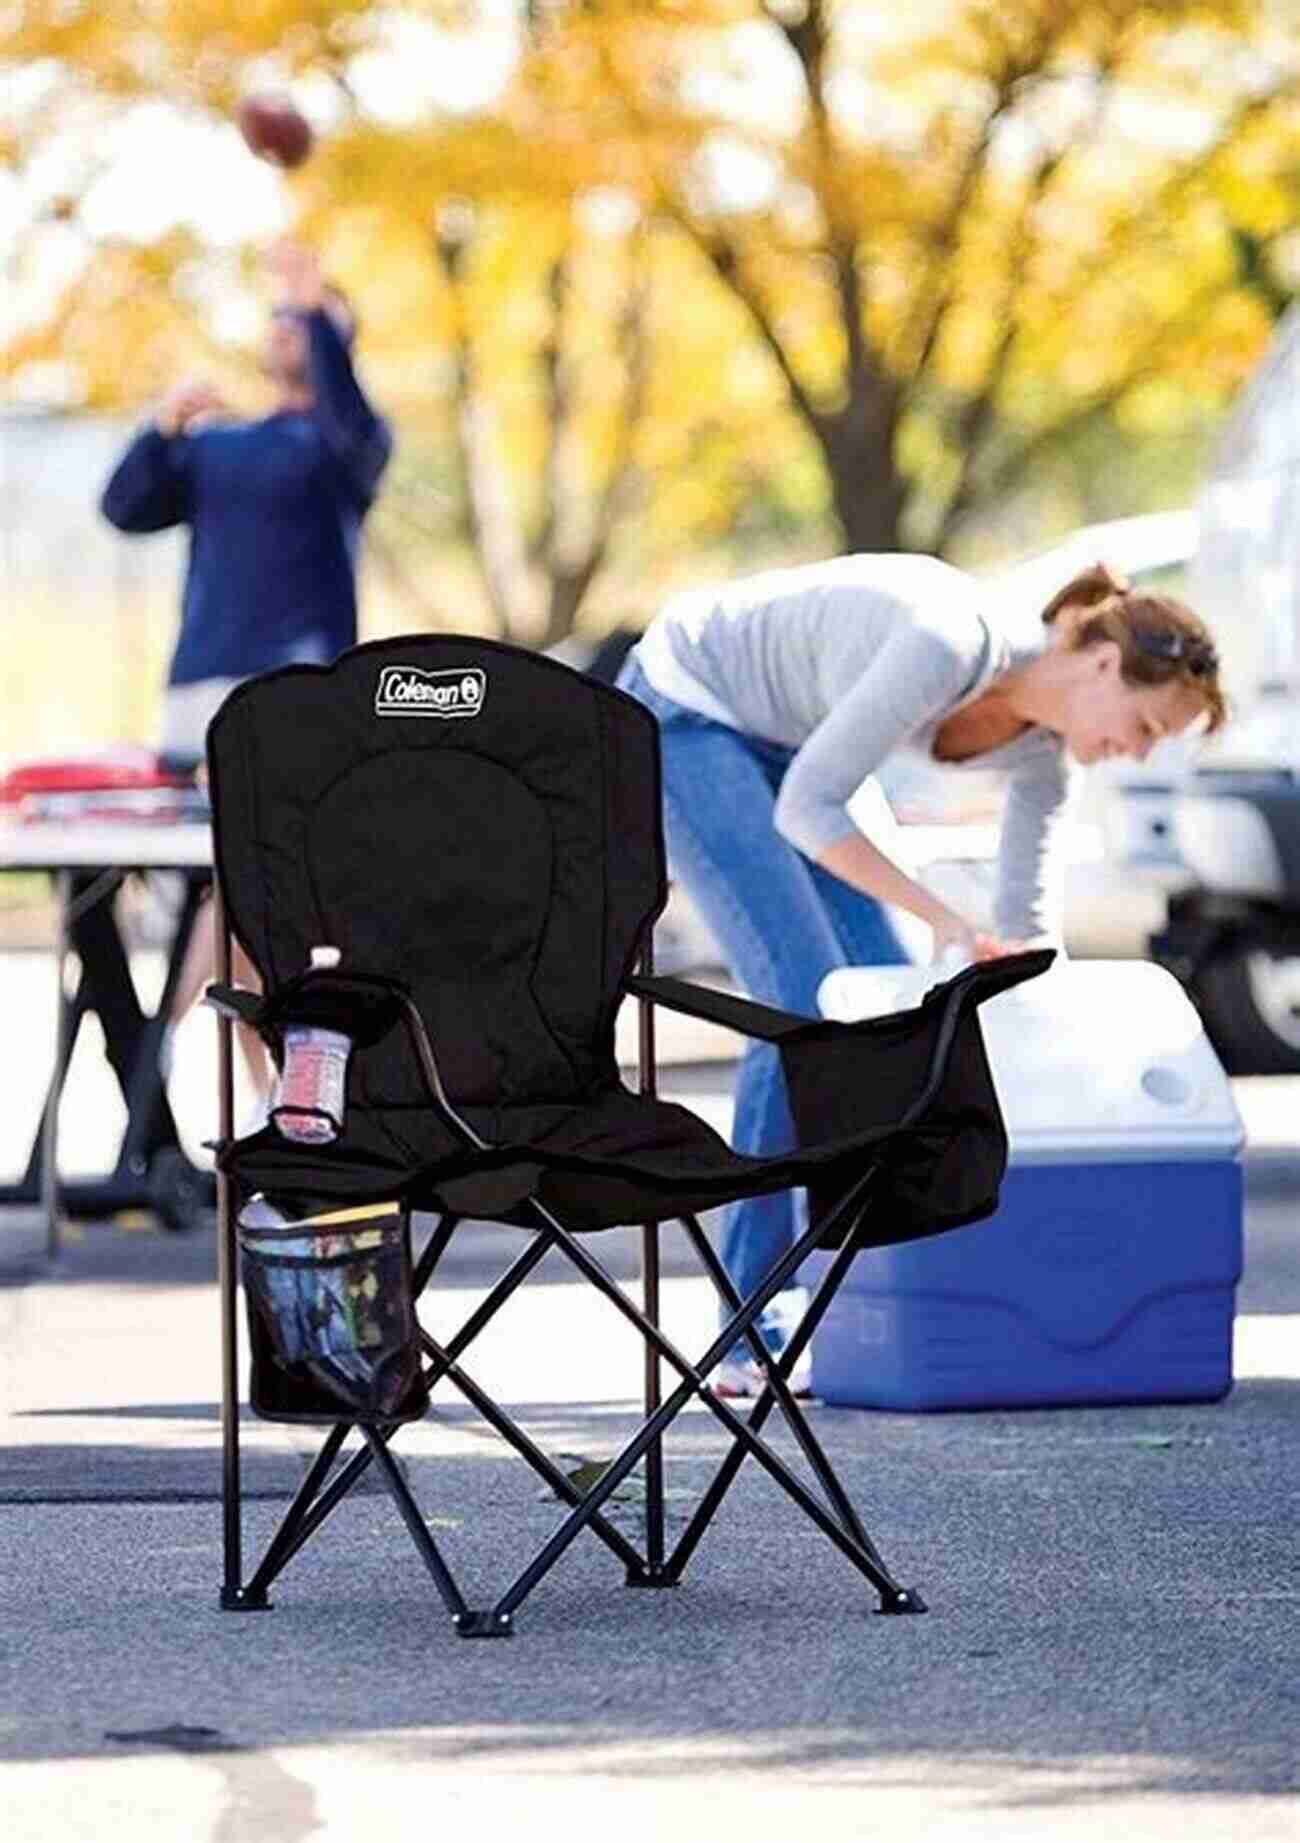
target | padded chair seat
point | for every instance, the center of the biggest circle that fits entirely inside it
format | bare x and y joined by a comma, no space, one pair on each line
620,1158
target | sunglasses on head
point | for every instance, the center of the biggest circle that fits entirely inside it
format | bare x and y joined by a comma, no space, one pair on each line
1177,648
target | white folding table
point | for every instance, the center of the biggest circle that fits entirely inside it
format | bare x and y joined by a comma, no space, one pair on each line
89,859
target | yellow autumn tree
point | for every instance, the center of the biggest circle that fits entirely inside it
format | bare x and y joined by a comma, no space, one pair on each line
970,229
563,372
646,263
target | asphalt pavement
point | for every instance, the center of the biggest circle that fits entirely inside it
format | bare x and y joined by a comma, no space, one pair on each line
1112,1642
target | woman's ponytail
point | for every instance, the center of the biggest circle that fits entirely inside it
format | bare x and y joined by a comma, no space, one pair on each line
1095,584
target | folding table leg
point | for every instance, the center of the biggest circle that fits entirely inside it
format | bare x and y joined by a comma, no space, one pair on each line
62,1052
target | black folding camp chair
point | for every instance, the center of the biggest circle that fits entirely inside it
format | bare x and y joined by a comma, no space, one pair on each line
475,832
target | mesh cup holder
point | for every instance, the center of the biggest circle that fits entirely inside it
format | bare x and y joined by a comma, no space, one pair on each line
332,1298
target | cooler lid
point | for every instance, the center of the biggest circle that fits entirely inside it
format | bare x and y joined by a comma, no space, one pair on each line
1100,1060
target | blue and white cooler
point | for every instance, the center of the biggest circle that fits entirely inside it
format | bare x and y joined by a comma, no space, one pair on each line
1108,1272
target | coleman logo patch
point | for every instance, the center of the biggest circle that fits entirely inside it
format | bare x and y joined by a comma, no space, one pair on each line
406,691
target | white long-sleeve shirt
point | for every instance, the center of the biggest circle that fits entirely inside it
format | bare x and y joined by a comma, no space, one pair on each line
849,662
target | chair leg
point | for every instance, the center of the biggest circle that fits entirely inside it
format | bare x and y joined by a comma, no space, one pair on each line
295,1527
779,1370
283,1543
445,1365
694,1384
542,1464
234,1598
308,1511
652,1574
433,1253
452,1597
296,1531
893,1599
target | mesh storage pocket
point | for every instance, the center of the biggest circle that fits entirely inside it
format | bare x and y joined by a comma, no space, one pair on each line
330,1303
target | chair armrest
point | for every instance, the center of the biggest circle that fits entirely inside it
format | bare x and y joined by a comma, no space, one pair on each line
740,1014
968,988
772,1026
236,1003
359,1005
366,1008
362,1008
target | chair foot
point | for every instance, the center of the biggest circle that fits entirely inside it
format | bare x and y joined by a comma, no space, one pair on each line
483,1625
240,1600
902,1600
651,1577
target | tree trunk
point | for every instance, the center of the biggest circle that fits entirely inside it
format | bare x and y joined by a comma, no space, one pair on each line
867,490
567,589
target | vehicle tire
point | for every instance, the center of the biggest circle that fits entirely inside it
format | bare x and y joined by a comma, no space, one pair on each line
1249,999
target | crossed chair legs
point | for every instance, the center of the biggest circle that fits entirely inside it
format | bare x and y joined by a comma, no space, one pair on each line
834,1516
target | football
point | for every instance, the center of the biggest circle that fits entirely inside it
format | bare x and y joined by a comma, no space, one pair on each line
275,129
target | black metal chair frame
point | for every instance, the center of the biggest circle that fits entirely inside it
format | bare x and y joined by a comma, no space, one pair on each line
655,1565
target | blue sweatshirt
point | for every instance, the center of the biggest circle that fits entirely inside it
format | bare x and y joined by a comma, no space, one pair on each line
274,510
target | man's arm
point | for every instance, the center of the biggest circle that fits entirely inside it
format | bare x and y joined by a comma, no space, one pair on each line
149,489
355,434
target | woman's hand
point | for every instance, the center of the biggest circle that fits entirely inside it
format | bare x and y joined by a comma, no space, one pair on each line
993,947
957,943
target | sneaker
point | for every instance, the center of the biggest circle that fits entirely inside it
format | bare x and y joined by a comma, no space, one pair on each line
742,1378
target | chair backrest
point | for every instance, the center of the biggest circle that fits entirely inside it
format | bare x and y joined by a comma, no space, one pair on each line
472,820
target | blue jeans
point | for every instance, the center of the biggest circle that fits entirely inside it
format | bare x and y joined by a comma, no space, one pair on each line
782,922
